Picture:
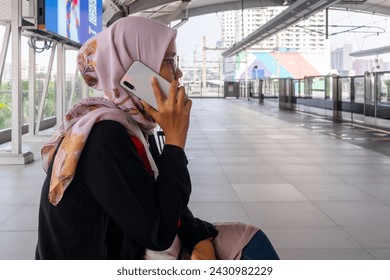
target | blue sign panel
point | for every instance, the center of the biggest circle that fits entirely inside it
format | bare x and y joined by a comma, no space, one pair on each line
76,20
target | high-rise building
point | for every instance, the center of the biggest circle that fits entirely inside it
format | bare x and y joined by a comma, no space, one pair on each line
340,58
24,70
368,65
306,35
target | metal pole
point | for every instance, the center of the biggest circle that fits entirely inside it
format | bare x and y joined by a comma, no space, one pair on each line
204,63
16,106
15,155
246,75
374,91
31,91
31,80
60,93
326,23
73,88
45,88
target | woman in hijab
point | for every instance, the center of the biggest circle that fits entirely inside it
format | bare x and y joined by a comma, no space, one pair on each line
107,194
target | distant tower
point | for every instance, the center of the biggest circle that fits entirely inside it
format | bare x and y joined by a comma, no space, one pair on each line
295,37
340,58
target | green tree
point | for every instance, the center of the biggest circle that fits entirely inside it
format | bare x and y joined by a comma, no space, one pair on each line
5,108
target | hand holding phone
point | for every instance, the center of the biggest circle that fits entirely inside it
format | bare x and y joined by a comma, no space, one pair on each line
166,102
174,112
137,80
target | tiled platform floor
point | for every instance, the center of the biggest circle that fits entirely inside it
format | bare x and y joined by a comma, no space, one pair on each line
320,190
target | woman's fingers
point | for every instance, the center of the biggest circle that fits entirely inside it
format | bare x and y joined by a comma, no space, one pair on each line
172,96
188,104
181,96
173,112
157,91
150,110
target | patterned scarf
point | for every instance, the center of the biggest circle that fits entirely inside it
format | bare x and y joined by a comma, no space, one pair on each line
102,61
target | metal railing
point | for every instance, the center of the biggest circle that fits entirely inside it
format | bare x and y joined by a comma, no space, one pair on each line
363,99
48,114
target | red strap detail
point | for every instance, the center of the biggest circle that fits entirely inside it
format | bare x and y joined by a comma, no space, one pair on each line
142,153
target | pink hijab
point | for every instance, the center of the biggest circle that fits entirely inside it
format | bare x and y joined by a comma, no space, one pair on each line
102,61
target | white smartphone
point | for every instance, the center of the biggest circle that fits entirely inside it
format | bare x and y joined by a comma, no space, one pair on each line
137,80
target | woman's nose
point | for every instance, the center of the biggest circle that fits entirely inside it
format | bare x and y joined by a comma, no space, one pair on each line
178,73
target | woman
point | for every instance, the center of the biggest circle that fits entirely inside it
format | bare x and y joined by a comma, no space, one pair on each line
104,196
99,200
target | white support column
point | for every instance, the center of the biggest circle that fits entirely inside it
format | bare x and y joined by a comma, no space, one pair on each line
16,99
15,155
204,73
31,92
31,80
45,89
60,88
246,75
4,48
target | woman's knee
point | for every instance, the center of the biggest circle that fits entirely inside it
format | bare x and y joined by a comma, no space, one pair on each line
259,248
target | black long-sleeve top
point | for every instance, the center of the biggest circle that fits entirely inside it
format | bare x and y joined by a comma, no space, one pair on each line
114,208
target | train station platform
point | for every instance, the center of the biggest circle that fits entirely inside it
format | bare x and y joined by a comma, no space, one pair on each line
319,189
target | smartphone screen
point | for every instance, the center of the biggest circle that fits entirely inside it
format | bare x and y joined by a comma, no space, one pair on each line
137,80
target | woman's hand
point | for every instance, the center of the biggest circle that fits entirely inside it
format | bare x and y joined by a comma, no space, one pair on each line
173,113
203,250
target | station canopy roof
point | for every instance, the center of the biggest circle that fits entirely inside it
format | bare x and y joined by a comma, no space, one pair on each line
168,10
179,12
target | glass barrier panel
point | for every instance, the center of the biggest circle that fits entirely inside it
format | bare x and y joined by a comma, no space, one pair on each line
383,92
307,87
345,88
275,87
302,88
329,87
296,88
358,84
318,88
383,85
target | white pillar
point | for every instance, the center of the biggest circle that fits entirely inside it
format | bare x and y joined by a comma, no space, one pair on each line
15,155
31,81
204,79
246,75
31,92
16,99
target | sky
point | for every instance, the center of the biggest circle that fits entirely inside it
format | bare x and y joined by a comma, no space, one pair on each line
190,36
360,41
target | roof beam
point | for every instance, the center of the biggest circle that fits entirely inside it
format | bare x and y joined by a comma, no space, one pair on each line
368,52
366,6
228,6
296,12
194,10
141,5
181,9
